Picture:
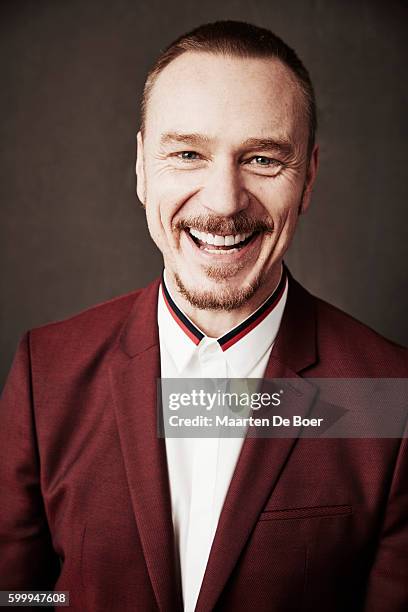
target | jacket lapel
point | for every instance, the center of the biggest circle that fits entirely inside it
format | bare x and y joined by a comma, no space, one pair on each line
261,460
135,368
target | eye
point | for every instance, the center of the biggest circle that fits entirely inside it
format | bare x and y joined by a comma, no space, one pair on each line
188,155
261,160
261,164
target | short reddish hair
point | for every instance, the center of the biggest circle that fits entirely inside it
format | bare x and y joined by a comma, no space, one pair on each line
237,39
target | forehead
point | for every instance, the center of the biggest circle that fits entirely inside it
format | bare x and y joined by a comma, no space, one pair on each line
226,97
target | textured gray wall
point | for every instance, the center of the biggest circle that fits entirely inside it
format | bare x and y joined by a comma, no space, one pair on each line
72,233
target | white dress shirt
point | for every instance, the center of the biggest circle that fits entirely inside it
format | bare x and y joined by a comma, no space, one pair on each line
200,469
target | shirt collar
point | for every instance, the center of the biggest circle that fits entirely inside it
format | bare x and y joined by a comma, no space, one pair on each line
243,346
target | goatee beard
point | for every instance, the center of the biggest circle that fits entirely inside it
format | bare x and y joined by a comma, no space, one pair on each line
225,299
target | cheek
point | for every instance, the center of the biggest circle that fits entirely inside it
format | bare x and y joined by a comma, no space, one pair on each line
167,195
153,224
158,205
160,212
280,212
281,200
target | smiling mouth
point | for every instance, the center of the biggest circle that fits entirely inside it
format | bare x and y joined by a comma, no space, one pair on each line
216,243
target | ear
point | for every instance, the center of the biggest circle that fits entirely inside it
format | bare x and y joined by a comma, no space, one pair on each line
140,173
310,179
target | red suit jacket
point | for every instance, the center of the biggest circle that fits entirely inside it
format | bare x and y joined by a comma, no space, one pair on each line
307,525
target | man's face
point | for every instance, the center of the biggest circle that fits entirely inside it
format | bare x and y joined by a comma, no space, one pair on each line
223,173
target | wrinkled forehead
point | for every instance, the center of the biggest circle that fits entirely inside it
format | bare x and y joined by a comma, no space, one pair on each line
227,98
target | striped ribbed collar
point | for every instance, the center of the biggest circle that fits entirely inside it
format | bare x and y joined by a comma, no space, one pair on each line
235,334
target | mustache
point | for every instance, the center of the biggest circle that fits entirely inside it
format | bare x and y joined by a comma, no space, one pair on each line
240,223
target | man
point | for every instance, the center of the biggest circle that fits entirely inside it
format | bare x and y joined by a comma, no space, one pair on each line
94,501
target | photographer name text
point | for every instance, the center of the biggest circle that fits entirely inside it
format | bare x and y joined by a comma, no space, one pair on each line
250,421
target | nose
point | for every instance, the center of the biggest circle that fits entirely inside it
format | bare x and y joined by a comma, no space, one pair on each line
224,192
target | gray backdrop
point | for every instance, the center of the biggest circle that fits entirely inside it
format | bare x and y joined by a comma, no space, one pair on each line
72,232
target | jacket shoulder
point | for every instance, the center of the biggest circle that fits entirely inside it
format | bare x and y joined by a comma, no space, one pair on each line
99,316
354,348
84,337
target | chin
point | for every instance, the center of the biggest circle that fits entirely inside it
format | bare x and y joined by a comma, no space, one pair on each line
220,295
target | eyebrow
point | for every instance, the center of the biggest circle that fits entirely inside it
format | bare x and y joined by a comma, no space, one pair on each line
281,145
192,139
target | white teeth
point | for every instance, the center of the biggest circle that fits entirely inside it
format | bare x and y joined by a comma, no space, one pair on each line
195,232
220,251
218,240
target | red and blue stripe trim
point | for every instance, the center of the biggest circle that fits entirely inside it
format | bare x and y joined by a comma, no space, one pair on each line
236,334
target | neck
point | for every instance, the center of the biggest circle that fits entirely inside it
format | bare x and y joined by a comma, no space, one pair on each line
216,323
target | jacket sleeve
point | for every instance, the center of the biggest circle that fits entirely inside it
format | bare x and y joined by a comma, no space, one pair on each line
27,559
388,581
